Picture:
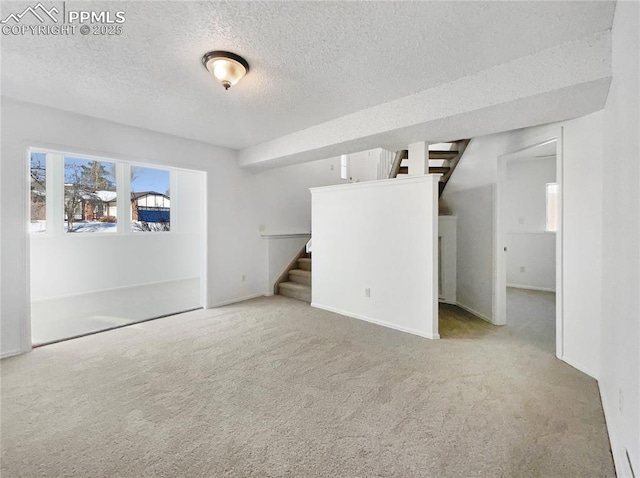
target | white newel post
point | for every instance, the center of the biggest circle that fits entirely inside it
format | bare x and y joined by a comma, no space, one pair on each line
418,159
433,289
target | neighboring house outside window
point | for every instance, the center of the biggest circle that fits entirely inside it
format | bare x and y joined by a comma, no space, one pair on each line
150,206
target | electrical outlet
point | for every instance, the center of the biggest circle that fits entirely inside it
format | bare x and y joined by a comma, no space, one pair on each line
331,167
242,279
367,292
522,269
521,220
262,228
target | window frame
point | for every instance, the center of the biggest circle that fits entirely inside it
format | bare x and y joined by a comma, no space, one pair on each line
47,206
344,167
75,157
551,196
172,187
54,164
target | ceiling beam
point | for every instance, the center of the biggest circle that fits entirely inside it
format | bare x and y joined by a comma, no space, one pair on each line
552,85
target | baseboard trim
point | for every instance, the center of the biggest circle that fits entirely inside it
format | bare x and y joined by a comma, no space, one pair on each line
376,321
475,312
579,367
234,301
618,461
446,301
13,353
530,287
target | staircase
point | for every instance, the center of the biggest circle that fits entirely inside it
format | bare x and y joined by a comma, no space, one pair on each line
296,281
440,162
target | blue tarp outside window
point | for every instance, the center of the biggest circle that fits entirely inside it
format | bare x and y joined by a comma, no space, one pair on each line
154,215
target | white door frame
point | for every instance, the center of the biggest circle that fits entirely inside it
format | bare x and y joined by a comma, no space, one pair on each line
500,240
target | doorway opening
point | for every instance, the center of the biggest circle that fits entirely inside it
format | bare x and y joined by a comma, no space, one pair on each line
111,243
528,245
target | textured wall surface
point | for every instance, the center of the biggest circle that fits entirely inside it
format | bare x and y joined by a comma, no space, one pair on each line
620,369
471,196
531,256
237,202
366,238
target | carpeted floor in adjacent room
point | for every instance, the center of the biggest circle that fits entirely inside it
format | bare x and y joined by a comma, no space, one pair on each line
272,387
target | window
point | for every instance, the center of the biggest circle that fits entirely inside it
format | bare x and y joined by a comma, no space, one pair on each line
89,196
38,183
71,194
344,166
552,207
150,199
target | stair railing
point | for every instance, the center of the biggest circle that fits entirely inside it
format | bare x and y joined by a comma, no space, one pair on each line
395,167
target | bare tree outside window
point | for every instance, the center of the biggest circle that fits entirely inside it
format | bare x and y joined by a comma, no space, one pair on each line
89,195
38,185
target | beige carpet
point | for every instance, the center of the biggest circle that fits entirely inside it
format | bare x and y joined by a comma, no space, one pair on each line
272,388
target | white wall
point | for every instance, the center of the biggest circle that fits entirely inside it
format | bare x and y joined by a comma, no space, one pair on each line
531,256
70,264
531,261
526,193
25,125
470,195
363,166
381,236
369,165
447,235
474,209
231,245
282,197
63,266
620,364
582,239
282,205
238,202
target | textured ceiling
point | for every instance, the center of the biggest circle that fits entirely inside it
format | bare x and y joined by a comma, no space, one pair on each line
556,84
311,62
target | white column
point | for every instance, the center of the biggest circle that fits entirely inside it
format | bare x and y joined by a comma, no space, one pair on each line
174,195
55,194
432,292
123,201
418,159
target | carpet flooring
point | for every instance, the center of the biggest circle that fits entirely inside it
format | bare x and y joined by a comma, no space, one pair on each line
274,388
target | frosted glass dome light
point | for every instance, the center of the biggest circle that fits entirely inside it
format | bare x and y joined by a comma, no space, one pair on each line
228,68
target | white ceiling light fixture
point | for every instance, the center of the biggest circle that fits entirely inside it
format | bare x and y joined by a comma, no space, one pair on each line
228,68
